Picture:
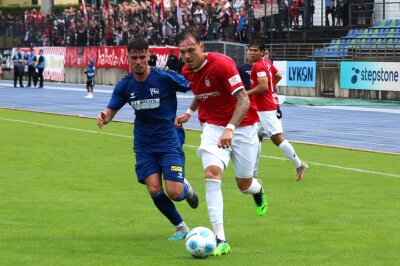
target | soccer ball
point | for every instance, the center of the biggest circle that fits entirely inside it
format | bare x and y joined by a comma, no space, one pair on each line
200,242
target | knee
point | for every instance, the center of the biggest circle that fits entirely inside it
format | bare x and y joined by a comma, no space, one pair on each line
213,172
277,139
153,189
243,183
175,191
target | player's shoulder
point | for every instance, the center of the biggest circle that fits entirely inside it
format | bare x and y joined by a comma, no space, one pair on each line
162,70
125,80
166,72
218,57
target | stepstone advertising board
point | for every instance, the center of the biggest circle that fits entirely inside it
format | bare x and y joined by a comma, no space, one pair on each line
383,76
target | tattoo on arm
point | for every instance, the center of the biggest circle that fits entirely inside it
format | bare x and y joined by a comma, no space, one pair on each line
242,106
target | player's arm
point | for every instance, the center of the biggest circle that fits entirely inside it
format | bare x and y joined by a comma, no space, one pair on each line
242,106
105,117
261,87
179,120
278,77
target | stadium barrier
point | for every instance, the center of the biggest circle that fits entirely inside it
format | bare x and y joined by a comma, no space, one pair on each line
67,64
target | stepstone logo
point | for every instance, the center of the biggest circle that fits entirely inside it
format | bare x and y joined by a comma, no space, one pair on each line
370,75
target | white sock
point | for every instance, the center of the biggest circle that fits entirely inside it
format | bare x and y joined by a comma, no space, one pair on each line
215,206
254,188
219,231
182,225
288,150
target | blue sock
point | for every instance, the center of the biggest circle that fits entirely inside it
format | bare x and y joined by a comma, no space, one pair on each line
184,193
166,207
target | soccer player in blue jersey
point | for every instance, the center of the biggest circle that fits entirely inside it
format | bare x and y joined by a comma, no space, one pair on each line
157,143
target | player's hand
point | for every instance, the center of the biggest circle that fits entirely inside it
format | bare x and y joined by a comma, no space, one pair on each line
225,141
100,119
179,120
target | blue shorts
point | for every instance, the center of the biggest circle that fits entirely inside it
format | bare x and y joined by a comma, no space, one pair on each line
171,164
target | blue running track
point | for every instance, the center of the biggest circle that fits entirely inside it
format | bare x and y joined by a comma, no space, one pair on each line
375,128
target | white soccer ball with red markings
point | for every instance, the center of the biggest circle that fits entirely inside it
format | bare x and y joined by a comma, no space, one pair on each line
200,242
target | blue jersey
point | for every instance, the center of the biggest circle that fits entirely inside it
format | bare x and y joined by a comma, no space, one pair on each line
90,72
154,101
244,72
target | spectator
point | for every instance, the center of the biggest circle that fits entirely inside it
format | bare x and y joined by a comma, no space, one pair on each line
329,10
31,67
242,26
153,58
173,62
39,69
344,11
19,60
300,11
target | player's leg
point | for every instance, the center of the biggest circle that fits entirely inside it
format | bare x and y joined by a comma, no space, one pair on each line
15,75
35,77
89,95
273,126
177,186
30,74
41,70
148,172
214,161
213,168
91,86
290,153
20,76
244,155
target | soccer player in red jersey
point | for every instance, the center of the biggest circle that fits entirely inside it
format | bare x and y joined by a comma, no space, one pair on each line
263,79
229,127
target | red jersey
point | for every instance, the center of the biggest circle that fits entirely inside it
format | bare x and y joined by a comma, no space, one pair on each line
213,86
267,100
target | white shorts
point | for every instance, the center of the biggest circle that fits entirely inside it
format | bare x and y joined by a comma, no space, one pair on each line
269,123
243,151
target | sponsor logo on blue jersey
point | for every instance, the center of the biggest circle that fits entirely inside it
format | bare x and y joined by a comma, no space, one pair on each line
146,104
154,91
176,168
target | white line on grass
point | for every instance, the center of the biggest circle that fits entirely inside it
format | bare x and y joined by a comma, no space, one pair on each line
193,146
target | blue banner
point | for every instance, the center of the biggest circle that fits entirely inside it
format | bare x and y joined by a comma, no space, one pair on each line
370,75
301,74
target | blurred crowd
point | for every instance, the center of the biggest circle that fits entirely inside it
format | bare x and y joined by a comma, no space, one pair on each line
107,25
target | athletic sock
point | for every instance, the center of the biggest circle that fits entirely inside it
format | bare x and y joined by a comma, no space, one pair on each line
184,193
181,225
215,206
288,150
166,207
255,190
219,231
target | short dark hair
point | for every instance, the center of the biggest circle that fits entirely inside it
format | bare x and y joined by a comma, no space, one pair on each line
260,44
186,34
138,45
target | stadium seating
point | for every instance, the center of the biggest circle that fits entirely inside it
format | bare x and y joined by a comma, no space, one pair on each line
384,34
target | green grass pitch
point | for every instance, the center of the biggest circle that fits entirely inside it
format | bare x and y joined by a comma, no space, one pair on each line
69,196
